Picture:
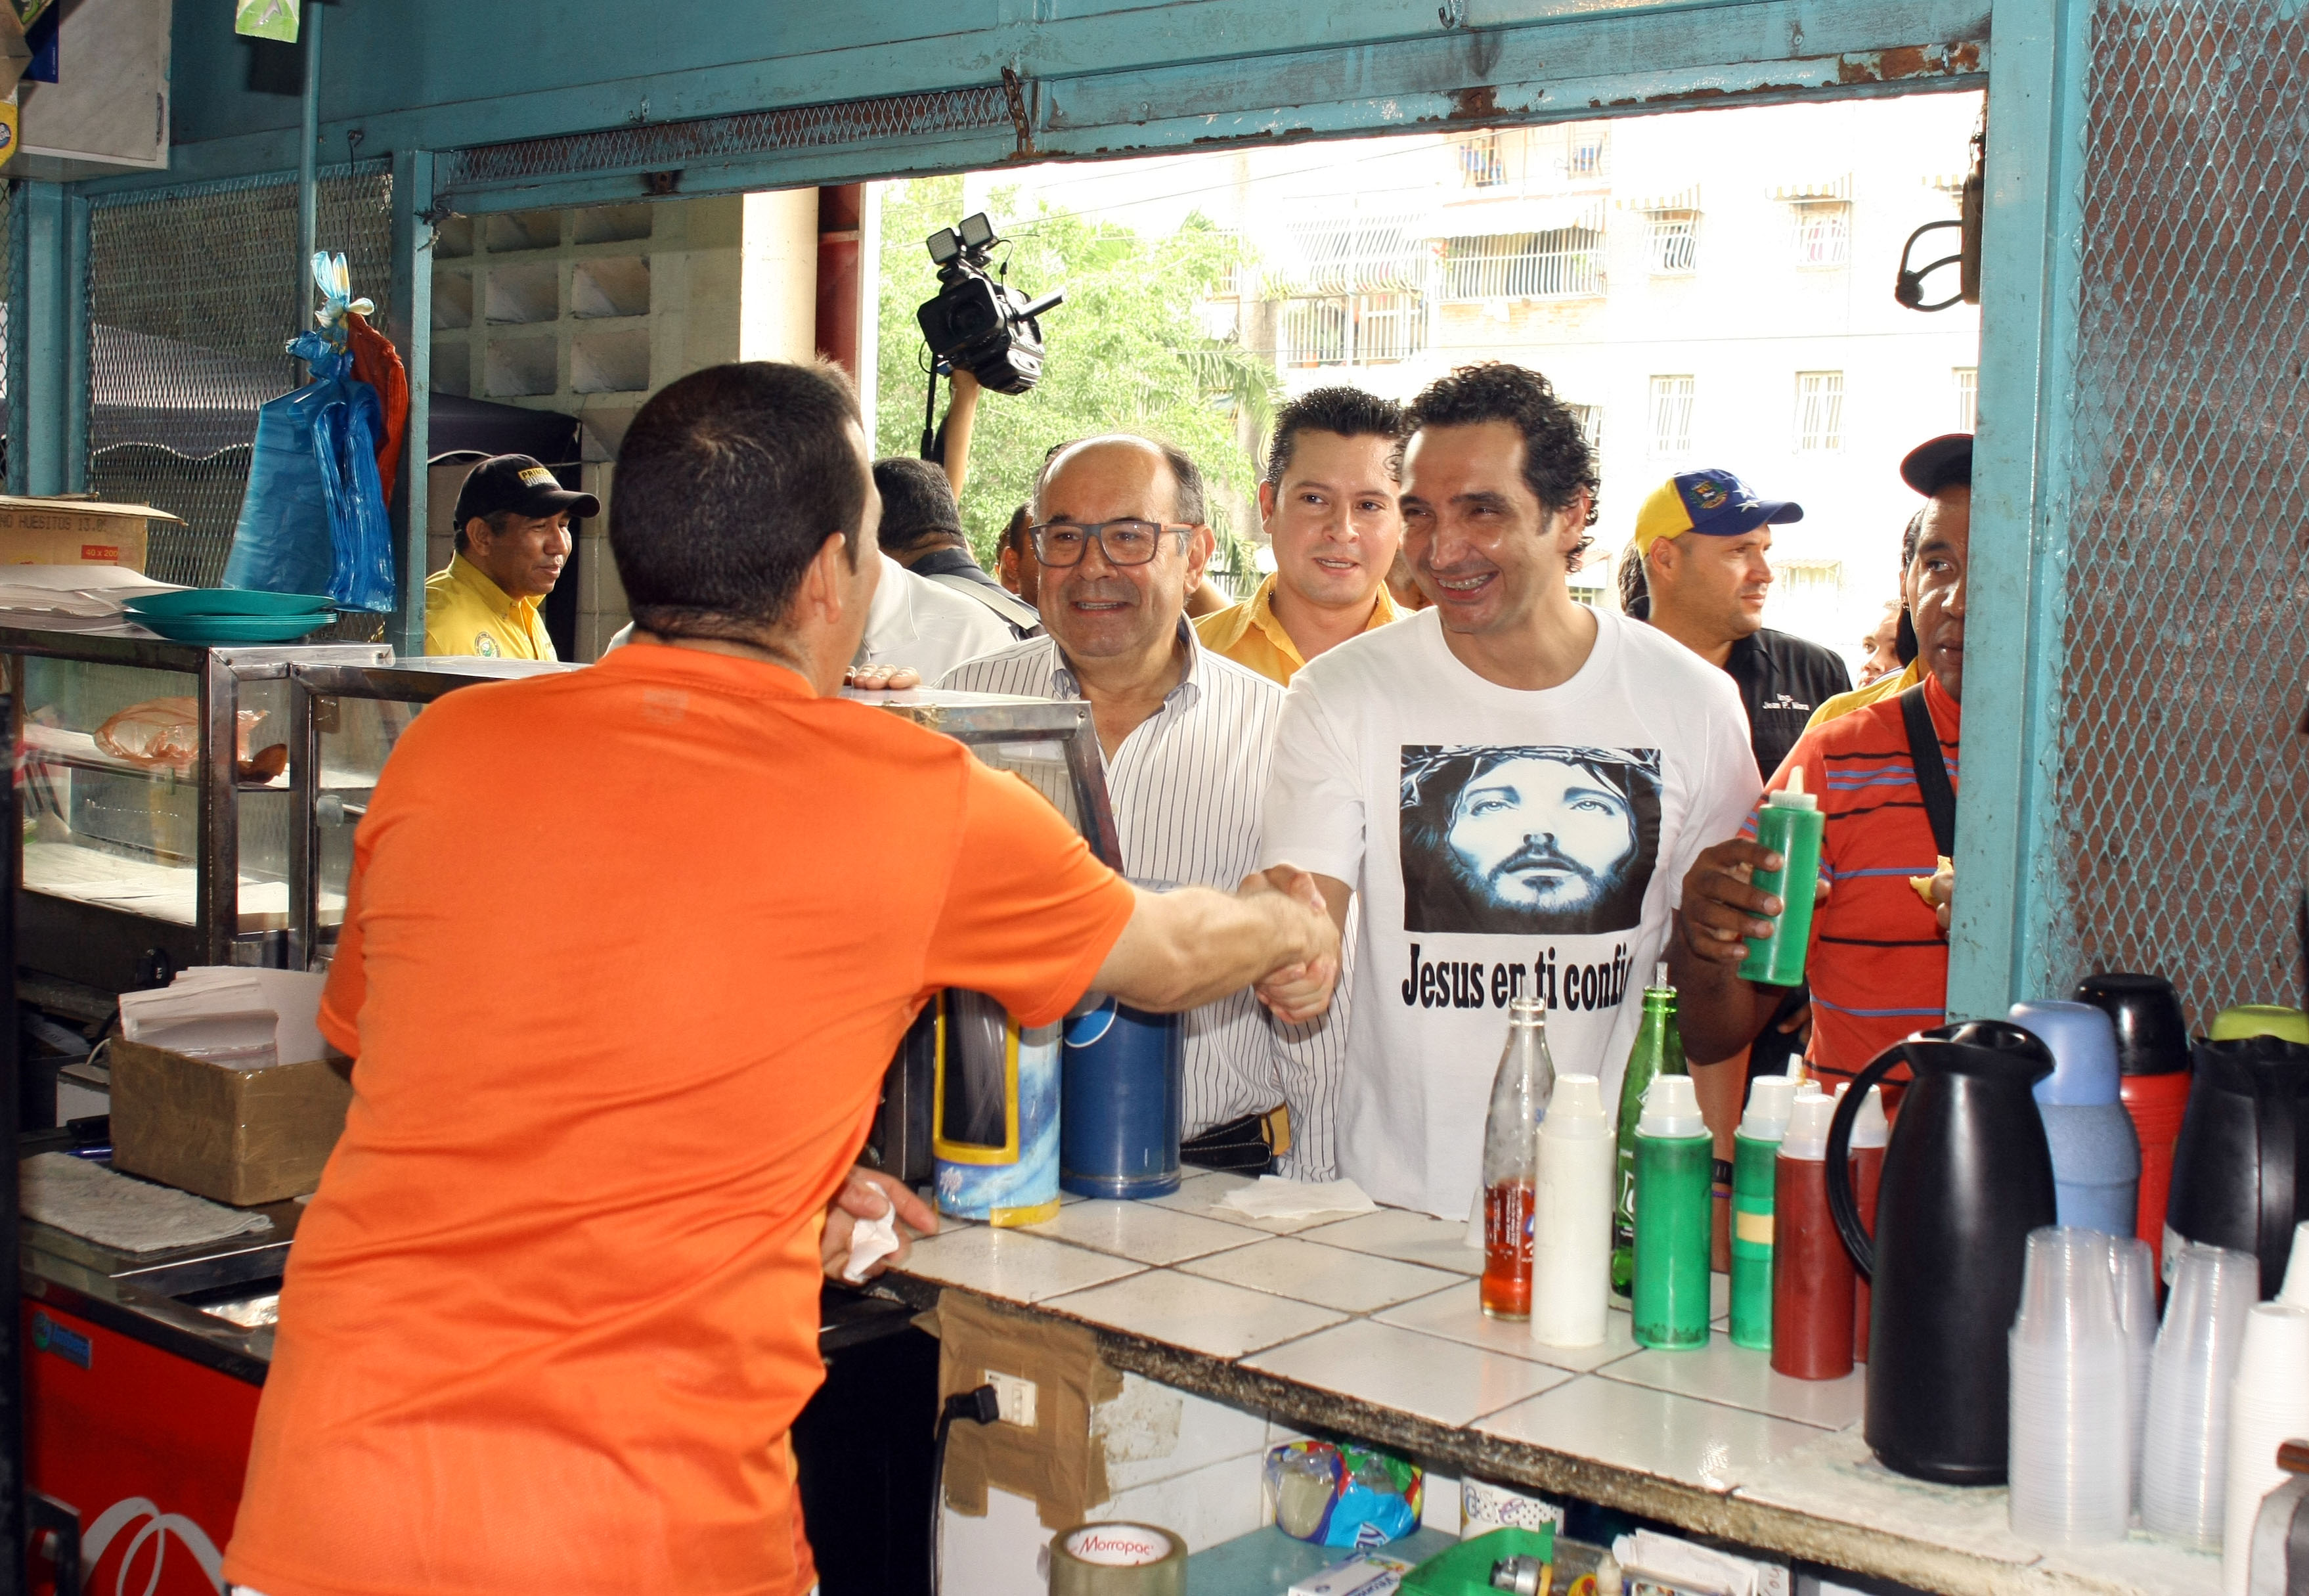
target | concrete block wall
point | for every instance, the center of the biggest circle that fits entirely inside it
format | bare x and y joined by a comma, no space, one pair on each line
589,311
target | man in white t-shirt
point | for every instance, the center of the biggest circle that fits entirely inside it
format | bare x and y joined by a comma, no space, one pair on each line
1514,784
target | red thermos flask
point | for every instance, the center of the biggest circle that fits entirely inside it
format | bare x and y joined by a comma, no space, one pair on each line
2152,1052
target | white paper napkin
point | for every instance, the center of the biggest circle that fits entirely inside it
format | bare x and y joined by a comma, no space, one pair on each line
1272,1197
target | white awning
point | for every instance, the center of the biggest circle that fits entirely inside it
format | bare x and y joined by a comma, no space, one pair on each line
1816,188
1686,198
1491,219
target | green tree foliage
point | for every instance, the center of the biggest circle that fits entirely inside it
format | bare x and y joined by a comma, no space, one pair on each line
1126,352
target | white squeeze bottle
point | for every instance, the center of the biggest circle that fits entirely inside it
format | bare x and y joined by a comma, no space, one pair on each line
1571,1217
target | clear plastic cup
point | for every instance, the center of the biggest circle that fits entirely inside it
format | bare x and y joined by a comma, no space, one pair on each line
2184,1438
2071,1459
2269,1405
2135,1282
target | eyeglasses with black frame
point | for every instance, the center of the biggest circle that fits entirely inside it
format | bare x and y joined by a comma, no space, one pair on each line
1123,543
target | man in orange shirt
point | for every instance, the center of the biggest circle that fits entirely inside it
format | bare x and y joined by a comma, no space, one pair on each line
1885,775
551,1315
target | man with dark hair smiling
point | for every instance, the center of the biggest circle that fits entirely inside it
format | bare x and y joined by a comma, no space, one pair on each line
554,1308
1512,785
1328,502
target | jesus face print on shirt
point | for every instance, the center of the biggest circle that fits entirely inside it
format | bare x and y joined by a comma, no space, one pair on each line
1554,840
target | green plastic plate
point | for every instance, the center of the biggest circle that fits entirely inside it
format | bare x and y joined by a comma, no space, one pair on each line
235,628
234,601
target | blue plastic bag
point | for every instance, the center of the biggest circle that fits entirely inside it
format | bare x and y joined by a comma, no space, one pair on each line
314,518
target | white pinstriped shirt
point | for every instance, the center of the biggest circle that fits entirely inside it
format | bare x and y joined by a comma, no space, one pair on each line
1187,786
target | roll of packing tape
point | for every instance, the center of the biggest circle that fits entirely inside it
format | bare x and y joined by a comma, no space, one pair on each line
1117,1560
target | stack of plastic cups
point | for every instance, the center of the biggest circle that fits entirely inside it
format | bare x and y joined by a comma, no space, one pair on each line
2269,1405
2135,1283
2071,1459
2185,1437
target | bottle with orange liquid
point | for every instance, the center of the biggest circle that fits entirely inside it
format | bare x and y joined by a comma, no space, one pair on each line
1519,1097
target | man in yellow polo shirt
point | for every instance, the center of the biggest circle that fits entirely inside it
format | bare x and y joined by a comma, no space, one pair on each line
1328,505
513,540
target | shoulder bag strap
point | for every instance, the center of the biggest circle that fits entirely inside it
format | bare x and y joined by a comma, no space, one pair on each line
1931,769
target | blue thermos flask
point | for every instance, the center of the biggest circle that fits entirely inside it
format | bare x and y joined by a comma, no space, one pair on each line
1119,1102
2096,1151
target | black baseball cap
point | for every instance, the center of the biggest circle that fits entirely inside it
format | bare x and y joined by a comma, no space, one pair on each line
518,484
1932,466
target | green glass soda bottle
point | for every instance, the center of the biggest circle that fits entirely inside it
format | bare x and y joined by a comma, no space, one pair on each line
1658,1051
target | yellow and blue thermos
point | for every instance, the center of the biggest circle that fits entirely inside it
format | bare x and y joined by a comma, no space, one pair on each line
994,1113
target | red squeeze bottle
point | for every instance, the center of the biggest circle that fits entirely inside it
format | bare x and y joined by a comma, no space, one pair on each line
1811,1273
1871,1130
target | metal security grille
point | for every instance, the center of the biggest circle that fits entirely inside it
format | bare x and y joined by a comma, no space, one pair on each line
2184,785
664,146
191,298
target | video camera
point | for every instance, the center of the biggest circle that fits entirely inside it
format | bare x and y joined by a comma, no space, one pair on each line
979,325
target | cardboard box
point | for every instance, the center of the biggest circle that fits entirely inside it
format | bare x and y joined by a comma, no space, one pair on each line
239,1136
74,532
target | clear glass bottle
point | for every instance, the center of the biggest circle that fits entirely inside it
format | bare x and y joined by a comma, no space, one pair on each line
1520,1092
1658,1051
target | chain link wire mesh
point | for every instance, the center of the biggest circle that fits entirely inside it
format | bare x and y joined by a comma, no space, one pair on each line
668,145
2184,786
192,295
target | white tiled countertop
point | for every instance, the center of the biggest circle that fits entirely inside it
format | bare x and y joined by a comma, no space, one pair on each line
1369,1326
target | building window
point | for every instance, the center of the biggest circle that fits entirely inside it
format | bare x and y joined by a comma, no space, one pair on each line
1819,411
1674,243
1821,232
1483,164
1587,585
1672,416
1590,418
1583,151
1967,397
1566,264
1797,580
1351,330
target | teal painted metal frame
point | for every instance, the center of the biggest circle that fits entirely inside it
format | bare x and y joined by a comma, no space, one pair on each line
2008,899
1109,82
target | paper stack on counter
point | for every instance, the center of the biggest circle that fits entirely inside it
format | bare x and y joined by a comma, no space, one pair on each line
231,1015
78,598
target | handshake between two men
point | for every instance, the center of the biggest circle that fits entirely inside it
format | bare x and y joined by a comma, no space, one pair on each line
1179,950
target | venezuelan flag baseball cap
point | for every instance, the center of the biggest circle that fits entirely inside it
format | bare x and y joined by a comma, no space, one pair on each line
1712,503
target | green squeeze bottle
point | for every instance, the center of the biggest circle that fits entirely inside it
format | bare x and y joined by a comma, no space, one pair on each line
1658,1051
1676,1166
1753,1171
1789,824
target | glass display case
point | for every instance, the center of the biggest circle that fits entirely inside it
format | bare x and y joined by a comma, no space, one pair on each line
1054,747
153,804
343,721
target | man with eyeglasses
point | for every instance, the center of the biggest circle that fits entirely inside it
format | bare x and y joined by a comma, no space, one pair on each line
1119,538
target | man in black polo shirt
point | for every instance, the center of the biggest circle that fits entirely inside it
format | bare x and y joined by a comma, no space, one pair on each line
1698,572
1699,568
